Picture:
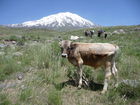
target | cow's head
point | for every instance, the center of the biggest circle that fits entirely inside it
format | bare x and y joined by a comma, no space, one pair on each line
65,47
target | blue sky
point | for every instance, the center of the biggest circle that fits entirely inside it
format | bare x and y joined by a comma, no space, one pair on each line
103,12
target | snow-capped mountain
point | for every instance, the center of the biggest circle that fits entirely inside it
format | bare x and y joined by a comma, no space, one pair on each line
62,21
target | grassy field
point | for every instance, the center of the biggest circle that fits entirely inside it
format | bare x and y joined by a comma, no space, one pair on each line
45,75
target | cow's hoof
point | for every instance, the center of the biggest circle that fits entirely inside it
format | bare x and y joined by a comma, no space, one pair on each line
103,92
79,87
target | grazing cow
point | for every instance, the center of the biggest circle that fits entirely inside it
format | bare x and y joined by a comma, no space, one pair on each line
102,32
89,33
91,54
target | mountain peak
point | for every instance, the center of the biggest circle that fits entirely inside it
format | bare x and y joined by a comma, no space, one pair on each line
63,20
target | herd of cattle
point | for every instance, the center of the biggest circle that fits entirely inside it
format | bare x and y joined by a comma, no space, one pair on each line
90,33
91,54
100,33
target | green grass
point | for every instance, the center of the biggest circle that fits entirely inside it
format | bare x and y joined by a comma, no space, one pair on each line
54,98
46,72
25,94
4,100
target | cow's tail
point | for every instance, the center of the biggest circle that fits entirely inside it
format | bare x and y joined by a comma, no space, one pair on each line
114,70
117,48
114,56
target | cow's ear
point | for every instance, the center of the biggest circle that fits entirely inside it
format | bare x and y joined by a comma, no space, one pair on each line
72,45
59,43
60,39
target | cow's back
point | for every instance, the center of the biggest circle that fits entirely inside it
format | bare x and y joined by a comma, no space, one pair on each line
95,48
94,54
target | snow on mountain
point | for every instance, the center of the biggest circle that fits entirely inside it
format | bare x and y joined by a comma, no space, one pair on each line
64,20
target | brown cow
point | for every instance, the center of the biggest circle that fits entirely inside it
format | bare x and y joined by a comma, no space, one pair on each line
91,54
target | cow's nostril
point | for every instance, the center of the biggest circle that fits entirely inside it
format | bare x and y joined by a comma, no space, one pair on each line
64,55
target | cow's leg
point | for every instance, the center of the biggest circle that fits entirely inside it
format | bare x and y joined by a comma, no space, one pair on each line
99,34
80,77
80,72
107,77
91,36
115,74
105,36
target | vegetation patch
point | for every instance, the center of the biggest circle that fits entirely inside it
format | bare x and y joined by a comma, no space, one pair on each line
48,78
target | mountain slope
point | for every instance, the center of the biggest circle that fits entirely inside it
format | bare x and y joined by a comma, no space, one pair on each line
65,20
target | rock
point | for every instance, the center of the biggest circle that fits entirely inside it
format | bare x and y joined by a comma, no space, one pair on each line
20,76
2,85
17,54
19,62
7,85
131,83
14,42
3,45
10,84
119,31
137,29
74,37
115,32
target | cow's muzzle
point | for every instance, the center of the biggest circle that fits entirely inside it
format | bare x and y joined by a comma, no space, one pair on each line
64,55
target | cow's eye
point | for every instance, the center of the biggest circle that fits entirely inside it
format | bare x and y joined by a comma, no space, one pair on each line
61,49
68,48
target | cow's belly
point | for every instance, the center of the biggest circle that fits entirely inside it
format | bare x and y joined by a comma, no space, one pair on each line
90,60
95,65
94,60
